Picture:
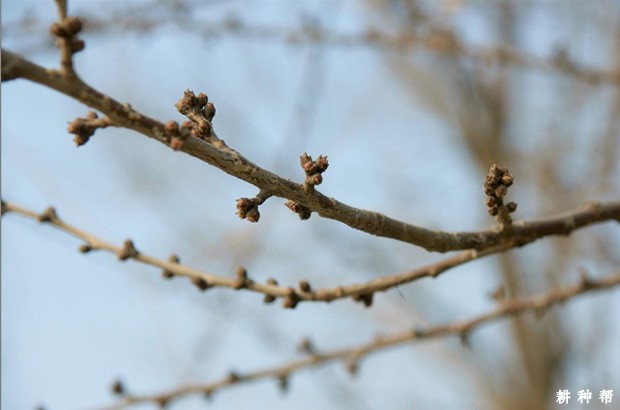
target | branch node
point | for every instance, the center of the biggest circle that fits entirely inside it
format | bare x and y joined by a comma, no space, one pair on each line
85,248
270,298
233,377
303,212
242,280
49,215
84,128
200,283
128,251
291,299
178,137
174,258
66,32
584,280
162,402
365,298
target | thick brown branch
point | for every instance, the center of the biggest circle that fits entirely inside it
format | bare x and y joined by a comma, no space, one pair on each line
351,356
235,164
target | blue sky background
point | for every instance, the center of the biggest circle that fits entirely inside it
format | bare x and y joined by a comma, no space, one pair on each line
72,323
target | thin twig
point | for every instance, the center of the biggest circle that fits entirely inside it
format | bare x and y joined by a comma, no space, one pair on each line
203,280
352,356
442,42
361,292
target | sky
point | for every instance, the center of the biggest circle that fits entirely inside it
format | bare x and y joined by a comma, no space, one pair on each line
72,323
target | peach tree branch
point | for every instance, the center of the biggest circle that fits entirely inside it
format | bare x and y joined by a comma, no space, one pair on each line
304,292
352,356
290,296
215,152
197,137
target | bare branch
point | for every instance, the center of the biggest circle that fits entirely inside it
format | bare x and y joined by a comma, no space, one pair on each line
216,153
352,356
440,41
359,292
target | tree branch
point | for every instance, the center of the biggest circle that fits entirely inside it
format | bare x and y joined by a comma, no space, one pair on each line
218,154
352,356
291,296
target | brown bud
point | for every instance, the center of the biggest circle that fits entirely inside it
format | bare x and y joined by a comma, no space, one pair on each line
128,251
48,215
77,45
322,163
304,286
202,99
253,215
501,191
176,143
507,180
58,31
491,180
72,24
511,206
495,170
172,127
200,283
85,248
233,377
118,388
489,190
209,111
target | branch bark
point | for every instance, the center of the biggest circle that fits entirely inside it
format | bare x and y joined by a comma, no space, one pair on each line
230,161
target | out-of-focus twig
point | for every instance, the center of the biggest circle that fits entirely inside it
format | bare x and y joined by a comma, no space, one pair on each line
441,41
352,356
291,296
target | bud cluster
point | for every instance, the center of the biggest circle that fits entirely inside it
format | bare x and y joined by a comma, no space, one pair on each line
200,111
67,30
247,208
496,185
313,170
84,128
